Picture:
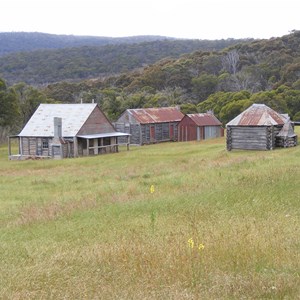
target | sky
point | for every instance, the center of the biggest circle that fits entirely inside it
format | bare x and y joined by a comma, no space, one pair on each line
195,19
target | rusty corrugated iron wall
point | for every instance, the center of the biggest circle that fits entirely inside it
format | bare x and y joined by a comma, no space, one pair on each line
196,127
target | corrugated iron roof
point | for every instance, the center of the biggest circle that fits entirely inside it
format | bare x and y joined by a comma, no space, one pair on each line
258,115
73,117
156,115
204,119
103,135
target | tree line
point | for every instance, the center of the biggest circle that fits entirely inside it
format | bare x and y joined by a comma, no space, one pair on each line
46,66
13,42
226,81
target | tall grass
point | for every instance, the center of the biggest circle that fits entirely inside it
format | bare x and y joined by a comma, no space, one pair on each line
90,228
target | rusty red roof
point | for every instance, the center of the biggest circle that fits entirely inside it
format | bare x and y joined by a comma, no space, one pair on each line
258,115
205,119
156,115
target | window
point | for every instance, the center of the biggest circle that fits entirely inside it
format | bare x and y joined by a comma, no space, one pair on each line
45,144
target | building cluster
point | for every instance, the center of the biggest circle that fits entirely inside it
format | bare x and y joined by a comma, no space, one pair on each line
73,130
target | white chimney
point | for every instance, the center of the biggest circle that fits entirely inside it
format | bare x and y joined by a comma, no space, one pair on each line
57,127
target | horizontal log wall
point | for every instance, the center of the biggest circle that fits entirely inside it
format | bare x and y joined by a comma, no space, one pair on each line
286,142
249,138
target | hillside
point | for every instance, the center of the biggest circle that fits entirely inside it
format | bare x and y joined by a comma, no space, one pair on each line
79,63
225,81
12,42
217,224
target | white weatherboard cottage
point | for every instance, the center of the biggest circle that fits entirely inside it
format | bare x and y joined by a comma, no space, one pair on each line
67,130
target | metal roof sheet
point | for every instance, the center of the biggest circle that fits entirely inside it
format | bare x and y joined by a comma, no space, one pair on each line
204,119
73,117
156,115
103,135
258,115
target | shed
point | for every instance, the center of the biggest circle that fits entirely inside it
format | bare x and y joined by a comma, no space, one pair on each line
286,137
67,130
196,127
150,125
255,128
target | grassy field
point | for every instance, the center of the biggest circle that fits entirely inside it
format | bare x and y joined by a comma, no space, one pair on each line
166,221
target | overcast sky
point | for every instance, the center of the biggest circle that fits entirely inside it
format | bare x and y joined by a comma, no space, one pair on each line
199,19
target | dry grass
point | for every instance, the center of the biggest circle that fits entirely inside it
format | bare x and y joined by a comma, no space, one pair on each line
91,229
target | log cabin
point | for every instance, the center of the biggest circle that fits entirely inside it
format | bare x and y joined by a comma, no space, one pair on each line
257,128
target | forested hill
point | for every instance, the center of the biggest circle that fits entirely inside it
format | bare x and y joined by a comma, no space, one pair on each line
11,42
227,81
79,63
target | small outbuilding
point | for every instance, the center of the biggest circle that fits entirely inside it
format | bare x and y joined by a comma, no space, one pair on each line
150,125
257,128
286,137
67,130
196,127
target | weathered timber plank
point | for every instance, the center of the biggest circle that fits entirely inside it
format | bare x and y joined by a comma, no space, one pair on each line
249,138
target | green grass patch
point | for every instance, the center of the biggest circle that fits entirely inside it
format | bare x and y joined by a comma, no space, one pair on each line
90,228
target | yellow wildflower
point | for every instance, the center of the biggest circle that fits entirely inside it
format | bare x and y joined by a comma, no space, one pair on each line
191,243
201,247
152,189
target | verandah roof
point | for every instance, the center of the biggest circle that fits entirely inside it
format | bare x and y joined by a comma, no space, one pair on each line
102,135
